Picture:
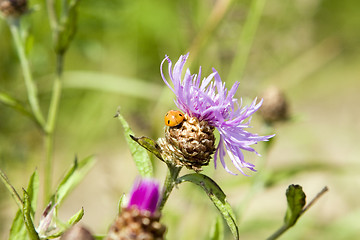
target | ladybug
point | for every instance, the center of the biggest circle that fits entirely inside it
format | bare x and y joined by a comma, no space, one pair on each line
174,118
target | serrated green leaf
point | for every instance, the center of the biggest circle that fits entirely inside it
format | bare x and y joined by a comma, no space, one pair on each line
217,230
139,154
72,178
296,200
149,144
18,229
27,212
217,196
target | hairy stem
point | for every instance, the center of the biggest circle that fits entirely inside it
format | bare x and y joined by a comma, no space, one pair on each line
169,183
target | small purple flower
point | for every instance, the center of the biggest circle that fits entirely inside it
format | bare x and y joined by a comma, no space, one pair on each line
145,195
209,100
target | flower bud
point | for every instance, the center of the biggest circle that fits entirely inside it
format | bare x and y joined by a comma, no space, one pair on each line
274,107
13,8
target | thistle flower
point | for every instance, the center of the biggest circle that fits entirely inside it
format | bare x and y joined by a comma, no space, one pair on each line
140,219
210,102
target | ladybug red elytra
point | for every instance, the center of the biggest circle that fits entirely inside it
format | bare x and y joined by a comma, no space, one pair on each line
174,118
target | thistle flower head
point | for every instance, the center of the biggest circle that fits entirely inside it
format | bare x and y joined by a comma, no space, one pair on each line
145,195
140,219
209,100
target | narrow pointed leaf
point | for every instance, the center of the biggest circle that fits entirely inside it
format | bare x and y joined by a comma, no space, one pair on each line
32,191
27,212
139,154
217,196
18,229
296,202
11,189
76,217
149,145
15,104
120,203
72,178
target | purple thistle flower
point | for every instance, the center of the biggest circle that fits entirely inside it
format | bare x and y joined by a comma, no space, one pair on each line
209,100
145,195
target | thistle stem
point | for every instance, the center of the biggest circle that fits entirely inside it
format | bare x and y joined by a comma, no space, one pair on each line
50,127
169,183
29,83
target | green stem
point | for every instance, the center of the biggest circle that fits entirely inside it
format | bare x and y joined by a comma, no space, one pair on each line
246,40
50,127
279,232
29,83
169,183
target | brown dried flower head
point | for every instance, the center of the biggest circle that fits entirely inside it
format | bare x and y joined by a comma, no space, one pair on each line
137,225
189,144
13,8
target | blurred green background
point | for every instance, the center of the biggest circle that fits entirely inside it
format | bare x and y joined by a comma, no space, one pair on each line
310,49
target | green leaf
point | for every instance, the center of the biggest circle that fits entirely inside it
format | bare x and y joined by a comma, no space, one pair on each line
32,191
217,196
296,202
139,154
67,29
27,212
149,145
11,189
217,230
72,178
76,217
18,229
15,104
120,203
